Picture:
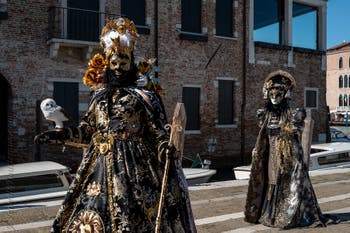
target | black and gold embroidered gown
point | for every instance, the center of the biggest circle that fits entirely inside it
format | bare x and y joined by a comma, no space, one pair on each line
280,193
117,185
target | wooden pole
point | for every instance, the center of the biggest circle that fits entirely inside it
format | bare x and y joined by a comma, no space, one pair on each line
177,136
307,136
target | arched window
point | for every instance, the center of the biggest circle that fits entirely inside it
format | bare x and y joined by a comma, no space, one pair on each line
345,100
340,63
345,81
340,81
340,100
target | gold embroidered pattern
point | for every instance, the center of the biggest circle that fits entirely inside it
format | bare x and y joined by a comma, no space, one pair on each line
104,147
87,221
68,210
93,189
110,190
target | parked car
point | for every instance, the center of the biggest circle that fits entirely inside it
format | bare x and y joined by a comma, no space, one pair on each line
33,181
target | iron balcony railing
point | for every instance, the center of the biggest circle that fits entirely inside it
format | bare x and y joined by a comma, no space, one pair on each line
75,24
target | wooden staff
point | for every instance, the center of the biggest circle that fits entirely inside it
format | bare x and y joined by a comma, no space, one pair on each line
177,136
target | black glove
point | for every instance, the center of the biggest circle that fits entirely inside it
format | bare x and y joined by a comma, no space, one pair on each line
164,149
53,136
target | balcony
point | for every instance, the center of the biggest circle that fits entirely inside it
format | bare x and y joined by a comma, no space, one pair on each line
77,28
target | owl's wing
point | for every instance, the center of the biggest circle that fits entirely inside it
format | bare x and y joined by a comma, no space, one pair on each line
64,112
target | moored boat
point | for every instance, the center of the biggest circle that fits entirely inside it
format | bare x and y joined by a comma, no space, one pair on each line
196,176
323,156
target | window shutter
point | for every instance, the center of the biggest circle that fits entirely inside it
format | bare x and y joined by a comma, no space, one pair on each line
67,96
311,101
191,16
224,18
225,108
134,10
191,99
83,20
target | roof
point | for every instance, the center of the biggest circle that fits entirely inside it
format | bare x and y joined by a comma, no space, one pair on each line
342,46
30,169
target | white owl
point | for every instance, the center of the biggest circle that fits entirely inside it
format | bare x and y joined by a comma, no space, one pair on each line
53,112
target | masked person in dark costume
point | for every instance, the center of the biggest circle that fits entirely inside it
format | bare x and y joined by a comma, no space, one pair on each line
117,185
280,193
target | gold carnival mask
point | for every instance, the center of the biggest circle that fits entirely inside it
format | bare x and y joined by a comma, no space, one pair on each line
278,85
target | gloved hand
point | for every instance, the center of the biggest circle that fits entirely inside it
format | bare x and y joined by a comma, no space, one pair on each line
164,150
54,135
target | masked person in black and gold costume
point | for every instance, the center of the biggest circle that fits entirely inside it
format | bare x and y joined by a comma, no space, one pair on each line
117,185
280,193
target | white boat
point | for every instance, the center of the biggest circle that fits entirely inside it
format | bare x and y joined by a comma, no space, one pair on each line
33,181
242,172
323,156
330,155
198,175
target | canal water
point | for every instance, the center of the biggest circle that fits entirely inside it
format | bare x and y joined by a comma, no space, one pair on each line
344,129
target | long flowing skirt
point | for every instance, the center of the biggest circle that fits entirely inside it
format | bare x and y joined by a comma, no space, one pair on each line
292,202
119,191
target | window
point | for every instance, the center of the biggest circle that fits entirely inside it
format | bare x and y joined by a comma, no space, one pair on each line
191,16
345,81
290,23
311,98
191,99
134,10
224,18
66,95
83,20
340,100
268,20
340,63
345,100
225,102
3,9
340,81
304,26
349,61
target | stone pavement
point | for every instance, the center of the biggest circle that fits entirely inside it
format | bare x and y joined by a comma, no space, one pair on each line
217,207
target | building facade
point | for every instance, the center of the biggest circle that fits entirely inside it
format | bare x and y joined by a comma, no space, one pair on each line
338,74
211,55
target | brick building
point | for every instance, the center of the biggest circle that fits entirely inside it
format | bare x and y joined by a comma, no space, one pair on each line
212,55
338,75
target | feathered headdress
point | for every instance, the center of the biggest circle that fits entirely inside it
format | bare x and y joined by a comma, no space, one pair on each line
119,36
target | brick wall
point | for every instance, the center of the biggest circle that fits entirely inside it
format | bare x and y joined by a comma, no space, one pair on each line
25,63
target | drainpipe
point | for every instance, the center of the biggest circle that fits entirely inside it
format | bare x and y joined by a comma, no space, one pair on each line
38,128
244,77
156,32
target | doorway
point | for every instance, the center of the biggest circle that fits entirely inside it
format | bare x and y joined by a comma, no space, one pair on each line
4,100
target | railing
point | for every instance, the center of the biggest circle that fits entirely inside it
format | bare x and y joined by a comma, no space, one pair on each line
75,24
343,108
